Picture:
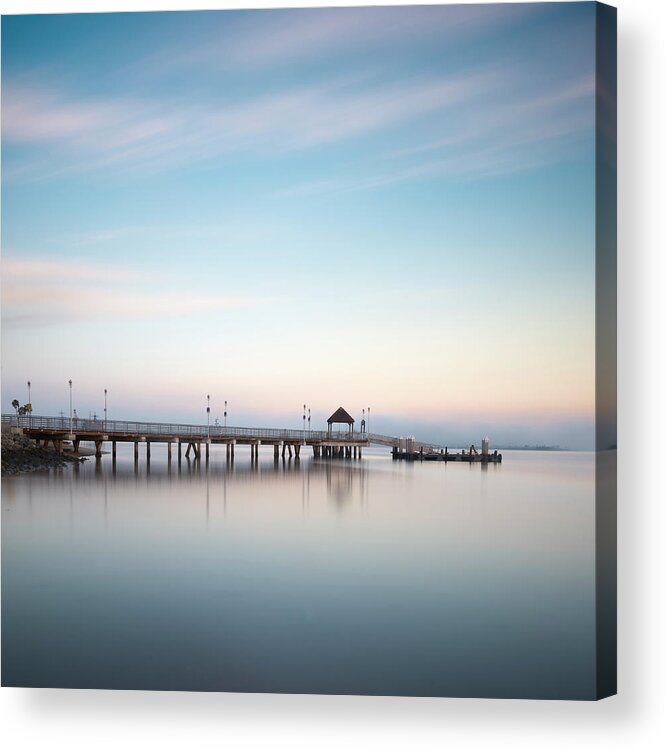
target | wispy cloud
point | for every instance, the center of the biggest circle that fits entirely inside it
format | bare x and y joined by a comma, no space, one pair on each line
540,116
39,291
32,114
473,122
40,271
300,35
75,135
497,137
318,115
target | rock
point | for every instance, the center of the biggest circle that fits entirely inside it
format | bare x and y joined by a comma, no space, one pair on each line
20,455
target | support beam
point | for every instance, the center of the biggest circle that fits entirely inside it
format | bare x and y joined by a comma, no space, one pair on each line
136,452
180,451
98,448
113,450
147,450
169,452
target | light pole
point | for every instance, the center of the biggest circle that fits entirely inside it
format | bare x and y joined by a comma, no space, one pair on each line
309,432
208,417
105,409
304,408
368,419
29,406
363,422
70,407
225,412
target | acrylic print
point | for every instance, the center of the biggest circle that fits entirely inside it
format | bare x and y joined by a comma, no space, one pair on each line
308,351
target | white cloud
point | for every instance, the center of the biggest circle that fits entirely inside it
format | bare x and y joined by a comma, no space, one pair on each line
497,137
79,136
39,271
38,291
276,39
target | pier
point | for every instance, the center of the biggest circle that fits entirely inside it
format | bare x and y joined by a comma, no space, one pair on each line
192,441
195,441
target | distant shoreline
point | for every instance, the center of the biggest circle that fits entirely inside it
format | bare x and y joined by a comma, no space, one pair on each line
549,448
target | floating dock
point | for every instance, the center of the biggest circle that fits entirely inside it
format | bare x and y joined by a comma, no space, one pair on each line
471,456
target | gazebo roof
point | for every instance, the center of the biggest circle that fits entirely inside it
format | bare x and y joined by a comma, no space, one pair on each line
340,416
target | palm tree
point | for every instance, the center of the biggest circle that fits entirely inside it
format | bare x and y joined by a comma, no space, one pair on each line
15,406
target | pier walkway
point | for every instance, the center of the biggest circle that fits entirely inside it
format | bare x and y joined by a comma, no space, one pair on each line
61,431
65,433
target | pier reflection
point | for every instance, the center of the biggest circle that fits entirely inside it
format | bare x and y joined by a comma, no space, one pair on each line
341,483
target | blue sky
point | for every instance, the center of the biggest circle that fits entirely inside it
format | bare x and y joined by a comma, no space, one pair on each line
371,206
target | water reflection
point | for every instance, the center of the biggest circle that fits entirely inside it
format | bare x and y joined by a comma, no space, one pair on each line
344,481
365,576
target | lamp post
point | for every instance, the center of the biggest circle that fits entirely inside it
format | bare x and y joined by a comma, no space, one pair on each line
70,407
368,419
208,416
105,409
363,422
309,430
304,408
225,412
29,406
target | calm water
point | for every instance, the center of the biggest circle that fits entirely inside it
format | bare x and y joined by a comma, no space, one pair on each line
360,577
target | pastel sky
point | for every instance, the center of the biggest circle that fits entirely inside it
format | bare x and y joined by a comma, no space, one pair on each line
390,207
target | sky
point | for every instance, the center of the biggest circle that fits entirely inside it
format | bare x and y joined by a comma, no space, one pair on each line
383,207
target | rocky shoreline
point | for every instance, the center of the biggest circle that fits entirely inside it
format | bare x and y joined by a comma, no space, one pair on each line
20,455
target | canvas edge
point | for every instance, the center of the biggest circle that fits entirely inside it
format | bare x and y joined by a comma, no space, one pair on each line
606,351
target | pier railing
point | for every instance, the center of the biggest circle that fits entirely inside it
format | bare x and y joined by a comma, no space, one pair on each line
122,427
112,427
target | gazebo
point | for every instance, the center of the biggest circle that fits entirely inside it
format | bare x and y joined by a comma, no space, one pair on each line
340,416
